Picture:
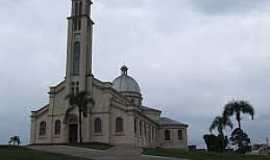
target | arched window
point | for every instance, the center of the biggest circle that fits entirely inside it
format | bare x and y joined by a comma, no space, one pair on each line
98,125
57,127
167,135
76,58
119,124
42,128
135,125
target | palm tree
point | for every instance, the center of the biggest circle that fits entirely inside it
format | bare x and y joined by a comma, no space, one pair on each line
15,139
220,123
237,108
80,100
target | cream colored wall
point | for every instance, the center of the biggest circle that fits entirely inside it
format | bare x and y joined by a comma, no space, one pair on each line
35,130
58,102
104,136
127,135
142,139
108,110
174,142
61,138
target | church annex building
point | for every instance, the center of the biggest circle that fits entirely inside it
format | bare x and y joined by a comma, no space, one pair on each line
117,115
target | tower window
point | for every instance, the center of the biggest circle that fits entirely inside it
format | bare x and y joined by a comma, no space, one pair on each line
76,24
76,58
79,24
76,18
80,8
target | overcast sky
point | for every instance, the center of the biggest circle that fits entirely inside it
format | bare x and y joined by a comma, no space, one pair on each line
190,57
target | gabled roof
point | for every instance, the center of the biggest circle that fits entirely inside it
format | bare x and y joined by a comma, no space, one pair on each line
168,122
40,111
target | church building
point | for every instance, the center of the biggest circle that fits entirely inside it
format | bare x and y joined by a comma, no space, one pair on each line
116,115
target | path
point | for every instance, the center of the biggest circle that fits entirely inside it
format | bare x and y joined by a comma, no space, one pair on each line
115,153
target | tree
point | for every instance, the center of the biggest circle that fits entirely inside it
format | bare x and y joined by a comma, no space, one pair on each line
14,140
80,101
220,123
215,143
237,108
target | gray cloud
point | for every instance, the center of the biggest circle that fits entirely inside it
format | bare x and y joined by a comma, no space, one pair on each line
229,6
188,63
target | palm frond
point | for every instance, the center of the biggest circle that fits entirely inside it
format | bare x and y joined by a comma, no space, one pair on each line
246,108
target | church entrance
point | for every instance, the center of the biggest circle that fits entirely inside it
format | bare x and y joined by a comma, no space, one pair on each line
73,133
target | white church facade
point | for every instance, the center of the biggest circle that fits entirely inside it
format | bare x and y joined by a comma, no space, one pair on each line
117,115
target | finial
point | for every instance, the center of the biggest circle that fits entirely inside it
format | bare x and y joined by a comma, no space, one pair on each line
124,69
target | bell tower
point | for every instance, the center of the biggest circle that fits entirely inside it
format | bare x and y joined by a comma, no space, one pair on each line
79,46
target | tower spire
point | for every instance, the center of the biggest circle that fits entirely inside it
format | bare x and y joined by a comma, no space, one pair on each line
79,46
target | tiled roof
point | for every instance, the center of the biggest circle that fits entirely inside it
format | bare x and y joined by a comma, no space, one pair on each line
168,121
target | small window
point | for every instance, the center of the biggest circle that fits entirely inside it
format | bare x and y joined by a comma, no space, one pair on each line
119,125
42,128
145,129
180,135
153,133
135,125
149,132
98,125
167,135
140,128
57,127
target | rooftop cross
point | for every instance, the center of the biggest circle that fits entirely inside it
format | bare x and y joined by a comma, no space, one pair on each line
124,69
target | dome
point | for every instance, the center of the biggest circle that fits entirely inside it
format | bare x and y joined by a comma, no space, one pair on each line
125,83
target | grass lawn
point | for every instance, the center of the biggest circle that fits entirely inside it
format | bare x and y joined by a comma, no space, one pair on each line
98,146
202,155
21,153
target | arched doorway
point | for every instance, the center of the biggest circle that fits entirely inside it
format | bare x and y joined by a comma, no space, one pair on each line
73,128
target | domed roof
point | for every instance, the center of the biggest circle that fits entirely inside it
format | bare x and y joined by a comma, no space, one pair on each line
125,83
